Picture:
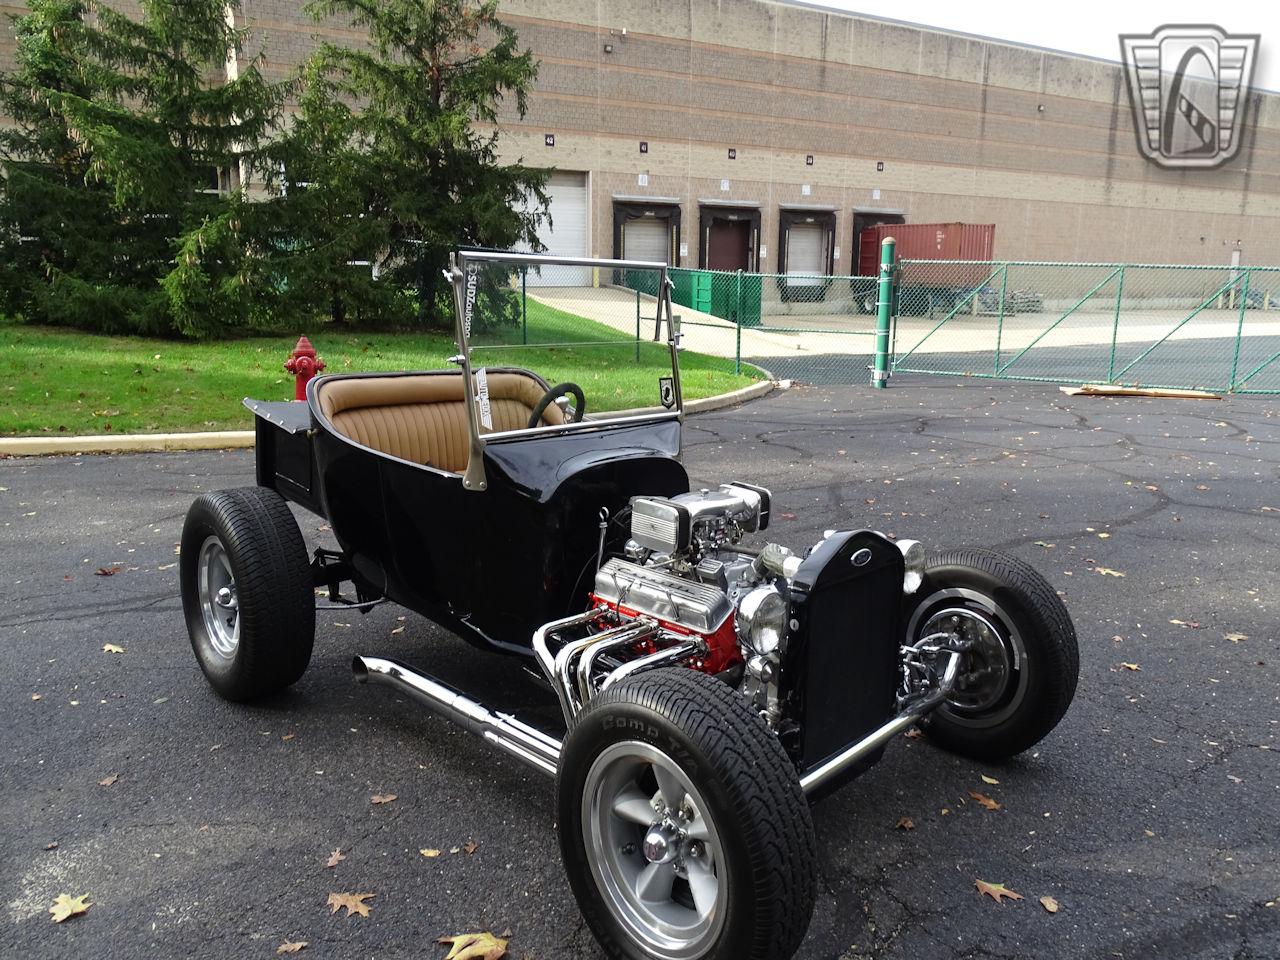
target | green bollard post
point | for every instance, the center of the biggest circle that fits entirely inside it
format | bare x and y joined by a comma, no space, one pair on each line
524,305
880,375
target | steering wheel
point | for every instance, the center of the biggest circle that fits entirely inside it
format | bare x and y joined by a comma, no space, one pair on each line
560,390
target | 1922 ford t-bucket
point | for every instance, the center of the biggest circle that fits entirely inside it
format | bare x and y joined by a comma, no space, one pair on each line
709,687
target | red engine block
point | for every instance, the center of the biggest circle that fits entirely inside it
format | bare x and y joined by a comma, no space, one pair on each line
722,646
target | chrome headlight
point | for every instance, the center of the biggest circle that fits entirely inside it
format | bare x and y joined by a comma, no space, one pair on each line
913,555
762,620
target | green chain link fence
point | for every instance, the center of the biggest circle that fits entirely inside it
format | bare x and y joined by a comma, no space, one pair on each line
810,327
1195,327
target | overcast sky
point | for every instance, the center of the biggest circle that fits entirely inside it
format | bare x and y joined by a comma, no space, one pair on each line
1090,27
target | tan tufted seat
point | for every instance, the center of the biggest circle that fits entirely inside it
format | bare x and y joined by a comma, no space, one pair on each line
423,417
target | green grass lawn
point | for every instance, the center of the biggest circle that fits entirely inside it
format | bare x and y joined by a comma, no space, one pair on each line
61,381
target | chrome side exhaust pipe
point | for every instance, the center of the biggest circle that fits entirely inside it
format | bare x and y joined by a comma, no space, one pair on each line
910,714
535,748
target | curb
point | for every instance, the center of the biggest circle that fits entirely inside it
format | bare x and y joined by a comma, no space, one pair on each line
243,439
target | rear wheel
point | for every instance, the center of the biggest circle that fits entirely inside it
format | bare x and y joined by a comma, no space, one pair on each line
1018,675
683,828
246,592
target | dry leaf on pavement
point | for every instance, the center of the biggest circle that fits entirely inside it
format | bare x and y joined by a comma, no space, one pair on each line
383,797
990,780
470,847
66,906
429,852
475,946
107,571
1235,637
996,891
112,648
1131,666
984,801
915,733
1107,572
335,857
1049,904
108,780
905,823
354,902
291,947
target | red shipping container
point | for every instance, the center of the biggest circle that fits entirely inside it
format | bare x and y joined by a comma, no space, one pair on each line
927,241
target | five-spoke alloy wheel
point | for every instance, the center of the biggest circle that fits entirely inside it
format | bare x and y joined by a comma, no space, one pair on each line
682,843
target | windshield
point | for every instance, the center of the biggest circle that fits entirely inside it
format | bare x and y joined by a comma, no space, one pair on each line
601,326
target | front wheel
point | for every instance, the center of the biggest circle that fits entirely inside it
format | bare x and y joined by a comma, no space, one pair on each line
683,828
1018,674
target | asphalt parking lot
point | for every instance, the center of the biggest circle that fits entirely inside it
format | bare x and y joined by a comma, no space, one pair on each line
1150,815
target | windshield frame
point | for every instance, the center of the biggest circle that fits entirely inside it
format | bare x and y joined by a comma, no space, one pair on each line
464,267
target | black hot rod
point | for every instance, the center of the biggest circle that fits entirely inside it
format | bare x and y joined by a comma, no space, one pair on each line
711,682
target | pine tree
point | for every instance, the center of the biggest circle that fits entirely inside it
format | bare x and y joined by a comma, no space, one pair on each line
154,123
407,156
59,234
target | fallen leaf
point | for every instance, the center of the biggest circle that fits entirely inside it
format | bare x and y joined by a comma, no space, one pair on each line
335,858
52,845
291,947
108,781
66,907
905,823
996,891
383,797
35,696
1047,546
112,648
107,571
984,801
429,852
915,733
1233,778
455,849
1104,536
1107,572
1131,666
1271,509
1049,904
354,902
475,946
1235,637
1202,486
288,736
991,780
470,847
397,630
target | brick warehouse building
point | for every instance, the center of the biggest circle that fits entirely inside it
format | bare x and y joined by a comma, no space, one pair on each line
763,135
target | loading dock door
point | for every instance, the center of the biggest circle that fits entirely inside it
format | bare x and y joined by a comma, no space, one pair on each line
729,245
566,234
805,254
647,238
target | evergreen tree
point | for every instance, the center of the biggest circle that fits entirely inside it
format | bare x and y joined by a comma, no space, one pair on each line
60,236
154,123
405,160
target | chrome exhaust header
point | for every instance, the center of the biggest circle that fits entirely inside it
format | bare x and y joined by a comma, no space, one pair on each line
535,748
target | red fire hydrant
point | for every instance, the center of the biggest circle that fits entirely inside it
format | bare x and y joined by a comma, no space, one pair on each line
303,364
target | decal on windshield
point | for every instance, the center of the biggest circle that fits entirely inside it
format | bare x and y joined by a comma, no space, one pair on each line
482,397
469,303
667,391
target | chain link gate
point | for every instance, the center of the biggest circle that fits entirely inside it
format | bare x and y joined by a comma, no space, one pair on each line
1164,326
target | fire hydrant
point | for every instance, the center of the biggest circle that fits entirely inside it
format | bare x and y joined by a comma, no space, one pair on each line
303,364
